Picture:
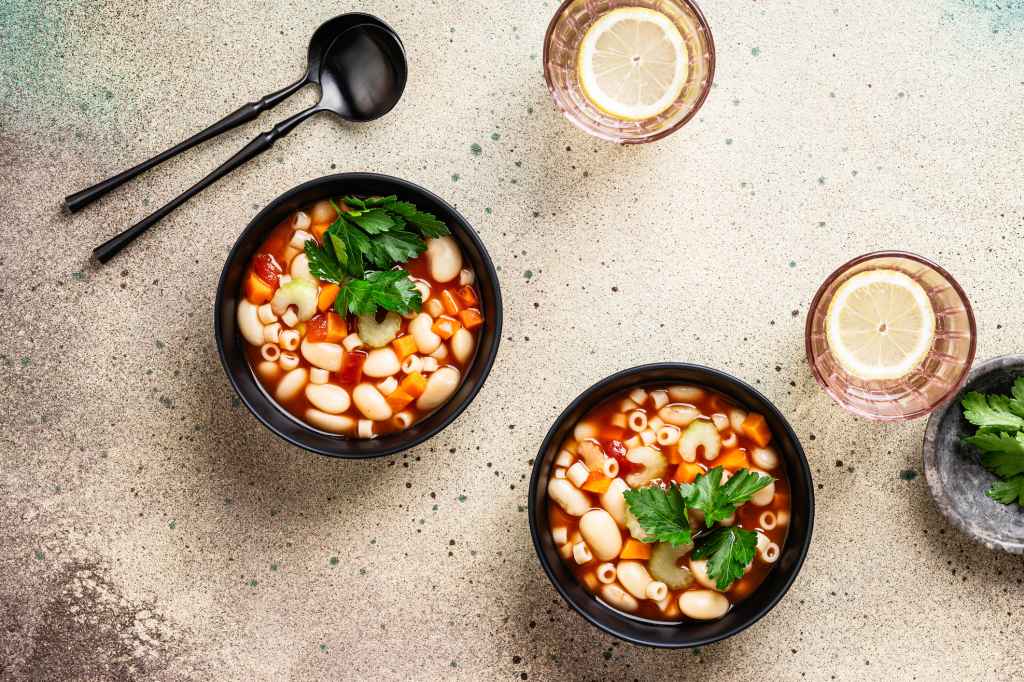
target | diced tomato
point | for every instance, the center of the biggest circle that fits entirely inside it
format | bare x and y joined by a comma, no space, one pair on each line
467,295
316,329
267,268
616,449
352,367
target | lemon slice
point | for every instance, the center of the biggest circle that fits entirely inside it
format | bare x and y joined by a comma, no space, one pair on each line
880,325
633,63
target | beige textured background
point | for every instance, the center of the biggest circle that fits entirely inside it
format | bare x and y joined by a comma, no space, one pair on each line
152,529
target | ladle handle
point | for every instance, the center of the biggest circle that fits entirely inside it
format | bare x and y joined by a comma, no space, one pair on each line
244,114
110,248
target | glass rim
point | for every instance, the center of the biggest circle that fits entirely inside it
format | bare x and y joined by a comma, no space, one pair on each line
907,255
698,103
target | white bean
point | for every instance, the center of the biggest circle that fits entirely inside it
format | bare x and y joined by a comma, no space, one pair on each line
323,212
266,314
766,458
685,394
699,568
720,421
619,598
602,535
412,364
614,502
703,604
268,371
323,354
381,362
371,403
634,577
300,221
328,398
441,353
388,386
678,414
335,423
426,340
443,258
466,276
249,323
434,308
736,418
571,499
462,345
291,384
440,386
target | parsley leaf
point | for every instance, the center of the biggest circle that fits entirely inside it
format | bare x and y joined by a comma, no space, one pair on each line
1008,491
351,246
662,513
719,501
1001,453
322,263
426,223
991,411
729,550
391,290
373,221
396,246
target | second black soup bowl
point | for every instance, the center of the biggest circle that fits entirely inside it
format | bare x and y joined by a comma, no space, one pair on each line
231,345
689,633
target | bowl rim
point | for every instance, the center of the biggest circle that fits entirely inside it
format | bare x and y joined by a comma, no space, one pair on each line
891,253
465,229
692,4
803,477
930,456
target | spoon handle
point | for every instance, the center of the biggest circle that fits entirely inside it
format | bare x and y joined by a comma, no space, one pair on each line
108,249
244,114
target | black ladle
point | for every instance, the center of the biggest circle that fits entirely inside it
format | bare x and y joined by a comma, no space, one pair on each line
322,39
362,77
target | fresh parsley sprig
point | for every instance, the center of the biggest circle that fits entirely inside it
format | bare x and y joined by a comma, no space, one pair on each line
662,513
362,249
999,439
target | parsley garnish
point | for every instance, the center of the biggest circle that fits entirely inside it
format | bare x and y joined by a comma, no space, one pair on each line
363,246
1000,439
729,551
662,513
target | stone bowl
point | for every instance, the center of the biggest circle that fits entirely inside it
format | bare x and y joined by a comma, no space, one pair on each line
954,473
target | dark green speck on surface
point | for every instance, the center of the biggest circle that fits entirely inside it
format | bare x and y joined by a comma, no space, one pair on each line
908,474
252,583
333,561
323,647
476,149
792,263
755,51
273,567
528,274
488,210
461,498
495,136
455,177
172,525
159,344
728,140
39,555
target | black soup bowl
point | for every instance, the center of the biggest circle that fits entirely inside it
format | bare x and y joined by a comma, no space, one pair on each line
231,345
689,633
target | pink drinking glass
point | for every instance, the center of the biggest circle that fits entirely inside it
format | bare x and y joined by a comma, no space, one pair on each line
939,376
561,45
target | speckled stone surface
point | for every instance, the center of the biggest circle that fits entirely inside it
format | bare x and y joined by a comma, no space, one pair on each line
953,470
151,529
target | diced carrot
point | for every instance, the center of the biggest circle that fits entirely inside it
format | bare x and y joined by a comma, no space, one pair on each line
591,581
471,318
316,330
328,293
398,399
732,460
686,472
756,429
318,231
257,291
596,483
673,455
451,306
404,346
336,327
445,327
467,295
414,384
634,549
611,433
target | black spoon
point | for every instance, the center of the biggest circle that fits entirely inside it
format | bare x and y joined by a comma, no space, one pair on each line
362,77
322,39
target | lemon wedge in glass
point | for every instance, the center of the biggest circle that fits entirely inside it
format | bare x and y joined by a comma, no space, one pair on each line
633,63
880,325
